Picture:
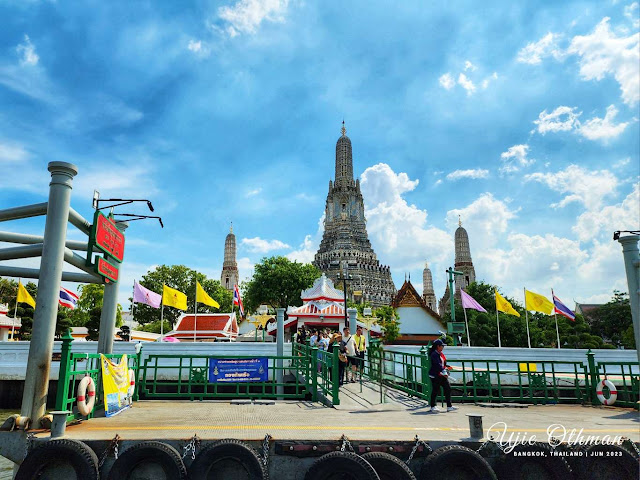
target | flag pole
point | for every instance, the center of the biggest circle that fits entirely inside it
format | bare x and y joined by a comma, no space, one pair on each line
162,315
526,316
15,313
467,324
497,318
133,303
195,314
555,316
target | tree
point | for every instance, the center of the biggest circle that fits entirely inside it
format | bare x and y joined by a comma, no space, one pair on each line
278,282
24,312
389,322
89,308
612,320
182,279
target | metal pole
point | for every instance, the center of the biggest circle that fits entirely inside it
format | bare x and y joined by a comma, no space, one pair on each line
25,211
632,267
526,316
555,316
109,310
279,351
162,320
15,313
6,271
25,239
467,324
195,313
498,320
352,320
36,383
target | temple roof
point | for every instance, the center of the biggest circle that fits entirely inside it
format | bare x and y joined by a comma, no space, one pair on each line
207,325
322,289
408,296
316,309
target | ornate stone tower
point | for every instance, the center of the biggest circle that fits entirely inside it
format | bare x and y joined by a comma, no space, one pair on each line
428,295
229,276
345,242
463,263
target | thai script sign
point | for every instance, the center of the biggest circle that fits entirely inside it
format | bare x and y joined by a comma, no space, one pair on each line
115,384
107,270
107,237
234,370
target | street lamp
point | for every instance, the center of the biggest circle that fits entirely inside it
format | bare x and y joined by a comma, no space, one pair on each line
344,276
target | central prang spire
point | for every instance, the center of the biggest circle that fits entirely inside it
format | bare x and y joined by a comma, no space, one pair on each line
344,160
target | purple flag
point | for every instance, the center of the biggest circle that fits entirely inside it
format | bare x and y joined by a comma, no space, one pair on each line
469,302
143,295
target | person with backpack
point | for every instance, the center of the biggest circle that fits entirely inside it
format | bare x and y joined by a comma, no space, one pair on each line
349,349
439,375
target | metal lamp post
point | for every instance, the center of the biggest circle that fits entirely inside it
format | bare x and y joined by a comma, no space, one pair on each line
344,276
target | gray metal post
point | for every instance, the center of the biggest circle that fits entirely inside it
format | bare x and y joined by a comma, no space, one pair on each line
352,319
280,350
632,266
109,310
36,383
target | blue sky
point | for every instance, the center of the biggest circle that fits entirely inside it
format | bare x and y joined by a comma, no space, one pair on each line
520,117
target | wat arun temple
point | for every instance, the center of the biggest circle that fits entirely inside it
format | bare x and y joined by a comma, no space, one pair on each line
345,245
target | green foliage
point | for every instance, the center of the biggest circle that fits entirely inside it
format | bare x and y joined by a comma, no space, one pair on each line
389,321
25,312
63,322
93,323
89,309
154,327
182,279
612,320
278,282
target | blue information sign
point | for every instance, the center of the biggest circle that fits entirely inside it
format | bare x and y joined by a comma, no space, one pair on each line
233,370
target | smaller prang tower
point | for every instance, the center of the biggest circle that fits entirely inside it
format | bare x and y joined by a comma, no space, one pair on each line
229,276
428,295
464,264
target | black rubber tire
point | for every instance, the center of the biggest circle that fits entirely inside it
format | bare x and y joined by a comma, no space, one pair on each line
60,451
456,462
542,467
159,454
226,459
389,467
341,466
616,463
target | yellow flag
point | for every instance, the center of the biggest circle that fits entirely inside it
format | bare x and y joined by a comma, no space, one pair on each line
24,297
203,297
173,298
503,305
537,303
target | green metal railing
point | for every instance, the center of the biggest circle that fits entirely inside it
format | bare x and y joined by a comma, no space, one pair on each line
322,373
622,375
74,367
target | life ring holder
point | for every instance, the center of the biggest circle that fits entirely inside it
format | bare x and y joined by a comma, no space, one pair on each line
613,392
132,384
86,396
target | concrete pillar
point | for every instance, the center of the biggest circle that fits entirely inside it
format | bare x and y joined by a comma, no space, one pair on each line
280,350
109,310
36,383
632,266
352,319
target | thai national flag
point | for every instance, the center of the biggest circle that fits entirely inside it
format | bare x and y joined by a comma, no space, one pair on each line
562,309
68,298
237,300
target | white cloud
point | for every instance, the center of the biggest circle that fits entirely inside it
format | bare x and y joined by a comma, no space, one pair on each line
486,81
603,128
477,173
137,183
515,158
260,245
534,52
603,53
195,46
469,66
308,248
485,219
383,185
245,268
631,12
447,81
27,52
467,84
622,216
254,192
587,187
12,153
247,15
562,119
622,163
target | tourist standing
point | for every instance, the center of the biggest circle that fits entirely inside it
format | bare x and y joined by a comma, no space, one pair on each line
314,339
336,344
361,347
439,375
350,350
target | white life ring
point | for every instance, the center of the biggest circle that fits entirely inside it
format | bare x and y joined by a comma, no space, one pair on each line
613,392
132,384
86,397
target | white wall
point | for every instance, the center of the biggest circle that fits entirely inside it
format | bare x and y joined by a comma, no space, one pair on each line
414,320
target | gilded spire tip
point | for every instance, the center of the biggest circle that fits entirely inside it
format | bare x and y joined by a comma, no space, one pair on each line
343,130
231,228
459,221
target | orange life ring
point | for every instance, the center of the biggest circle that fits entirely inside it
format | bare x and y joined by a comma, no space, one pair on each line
86,397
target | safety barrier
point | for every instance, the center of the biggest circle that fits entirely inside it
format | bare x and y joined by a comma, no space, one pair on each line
322,372
627,383
74,367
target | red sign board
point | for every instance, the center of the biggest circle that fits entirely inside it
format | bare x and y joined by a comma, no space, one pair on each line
107,237
107,270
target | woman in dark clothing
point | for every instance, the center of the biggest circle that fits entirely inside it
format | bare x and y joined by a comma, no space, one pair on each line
335,344
439,376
